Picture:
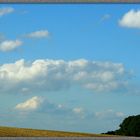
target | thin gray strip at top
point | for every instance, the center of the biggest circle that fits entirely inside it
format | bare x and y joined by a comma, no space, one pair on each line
69,1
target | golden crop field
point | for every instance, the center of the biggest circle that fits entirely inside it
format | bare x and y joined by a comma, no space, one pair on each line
24,132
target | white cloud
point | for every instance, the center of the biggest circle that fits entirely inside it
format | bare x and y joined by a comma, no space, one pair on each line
9,45
30,104
78,110
54,75
6,10
104,87
109,114
38,34
131,19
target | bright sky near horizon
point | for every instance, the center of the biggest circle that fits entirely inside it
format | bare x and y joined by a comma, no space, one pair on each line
69,67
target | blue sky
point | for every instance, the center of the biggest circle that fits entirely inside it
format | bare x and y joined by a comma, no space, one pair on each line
69,67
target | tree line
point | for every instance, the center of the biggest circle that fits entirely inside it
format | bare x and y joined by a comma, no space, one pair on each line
129,127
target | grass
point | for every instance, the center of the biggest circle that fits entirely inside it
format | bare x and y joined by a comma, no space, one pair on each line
24,132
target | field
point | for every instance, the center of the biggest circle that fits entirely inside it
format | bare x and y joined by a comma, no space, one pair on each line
24,132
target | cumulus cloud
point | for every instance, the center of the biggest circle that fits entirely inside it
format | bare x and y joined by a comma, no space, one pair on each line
54,75
6,10
131,19
38,34
9,45
30,104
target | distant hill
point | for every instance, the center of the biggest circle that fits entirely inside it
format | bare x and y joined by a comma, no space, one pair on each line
24,132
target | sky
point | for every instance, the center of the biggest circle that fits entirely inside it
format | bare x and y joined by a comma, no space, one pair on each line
71,67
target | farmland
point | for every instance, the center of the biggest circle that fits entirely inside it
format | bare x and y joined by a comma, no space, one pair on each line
24,132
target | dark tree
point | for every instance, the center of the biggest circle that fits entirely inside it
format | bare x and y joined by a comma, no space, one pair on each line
129,127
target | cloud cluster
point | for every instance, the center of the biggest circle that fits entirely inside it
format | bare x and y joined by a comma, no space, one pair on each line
31,104
6,10
54,75
38,34
43,105
131,19
9,45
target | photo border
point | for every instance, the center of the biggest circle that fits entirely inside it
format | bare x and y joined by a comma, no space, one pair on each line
65,2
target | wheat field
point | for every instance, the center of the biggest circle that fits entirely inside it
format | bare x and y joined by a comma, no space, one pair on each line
25,132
